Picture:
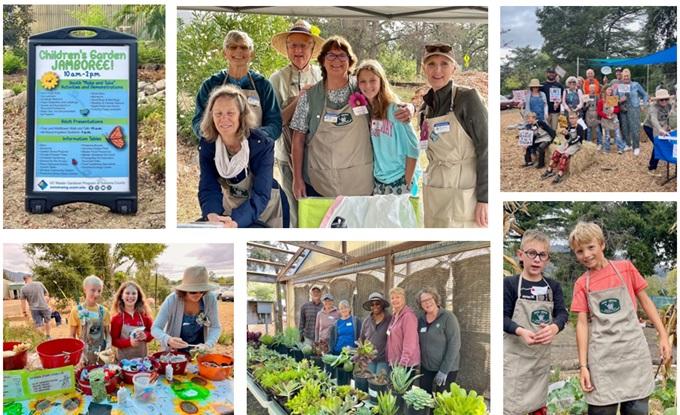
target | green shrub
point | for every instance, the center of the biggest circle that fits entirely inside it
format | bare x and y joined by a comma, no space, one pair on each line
226,339
157,164
398,66
16,87
154,110
23,333
184,128
12,63
150,53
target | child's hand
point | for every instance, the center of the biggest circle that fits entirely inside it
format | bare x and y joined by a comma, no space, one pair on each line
404,113
526,335
665,350
586,385
546,334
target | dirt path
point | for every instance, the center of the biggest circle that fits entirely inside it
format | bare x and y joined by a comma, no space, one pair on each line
151,188
610,172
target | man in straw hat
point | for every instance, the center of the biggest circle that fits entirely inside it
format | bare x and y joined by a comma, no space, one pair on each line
658,122
299,44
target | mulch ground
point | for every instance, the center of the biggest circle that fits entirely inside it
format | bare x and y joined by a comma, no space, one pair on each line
610,173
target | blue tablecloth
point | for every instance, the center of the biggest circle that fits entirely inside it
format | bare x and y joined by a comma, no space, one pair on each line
663,148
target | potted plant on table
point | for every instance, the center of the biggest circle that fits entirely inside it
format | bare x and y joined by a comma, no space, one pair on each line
386,404
458,401
401,379
418,401
377,384
285,390
344,366
363,356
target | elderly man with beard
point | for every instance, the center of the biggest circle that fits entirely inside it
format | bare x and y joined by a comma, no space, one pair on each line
299,44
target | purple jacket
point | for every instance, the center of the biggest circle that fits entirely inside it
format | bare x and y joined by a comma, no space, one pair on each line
403,347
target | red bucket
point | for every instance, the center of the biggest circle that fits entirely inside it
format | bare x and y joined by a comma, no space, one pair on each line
60,352
16,362
84,385
177,368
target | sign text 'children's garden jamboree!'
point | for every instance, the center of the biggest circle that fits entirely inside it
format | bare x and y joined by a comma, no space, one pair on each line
82,110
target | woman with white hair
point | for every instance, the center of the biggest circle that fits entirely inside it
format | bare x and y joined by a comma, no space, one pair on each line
403,346
346,330
239,51
91,321
572,97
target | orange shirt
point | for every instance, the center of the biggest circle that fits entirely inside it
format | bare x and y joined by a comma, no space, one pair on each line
605,278
586,86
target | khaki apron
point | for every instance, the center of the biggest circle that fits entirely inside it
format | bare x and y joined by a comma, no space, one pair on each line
526,369
619,361
93,333
339,155
252,97
449,195
234,194
131,352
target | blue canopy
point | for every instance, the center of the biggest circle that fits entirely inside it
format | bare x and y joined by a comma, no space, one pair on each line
664,56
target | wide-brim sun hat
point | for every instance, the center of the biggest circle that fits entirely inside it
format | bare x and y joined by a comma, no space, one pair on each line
300,27
196,279
662,94
375,296
534,83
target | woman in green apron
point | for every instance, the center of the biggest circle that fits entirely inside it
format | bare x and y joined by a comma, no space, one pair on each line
614,358
454,132
331,146
237,188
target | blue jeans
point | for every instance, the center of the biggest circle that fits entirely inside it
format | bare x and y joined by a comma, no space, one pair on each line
589,134
630,124
620,144
376,367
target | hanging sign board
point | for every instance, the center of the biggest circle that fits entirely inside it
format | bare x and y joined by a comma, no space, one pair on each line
82,120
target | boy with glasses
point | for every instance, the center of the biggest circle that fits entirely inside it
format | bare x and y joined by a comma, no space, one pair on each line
533,313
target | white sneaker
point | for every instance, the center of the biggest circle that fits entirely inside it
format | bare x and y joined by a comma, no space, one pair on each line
599,147
627,148
636,152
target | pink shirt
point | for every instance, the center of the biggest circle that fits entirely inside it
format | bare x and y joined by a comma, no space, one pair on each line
403,347
605,278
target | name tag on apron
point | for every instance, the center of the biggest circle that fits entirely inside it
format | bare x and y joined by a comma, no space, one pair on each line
330,117
423,329
387,332
360,110
442,127
348,324
253,100
331,318
536,291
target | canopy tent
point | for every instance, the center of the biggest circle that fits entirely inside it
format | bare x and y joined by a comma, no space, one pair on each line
669,55
451,14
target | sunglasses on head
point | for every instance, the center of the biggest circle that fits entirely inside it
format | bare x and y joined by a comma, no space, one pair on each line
438,48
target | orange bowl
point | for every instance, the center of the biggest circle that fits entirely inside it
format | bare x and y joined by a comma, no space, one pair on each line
215,366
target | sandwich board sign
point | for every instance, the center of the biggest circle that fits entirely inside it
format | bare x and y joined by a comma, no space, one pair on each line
81,123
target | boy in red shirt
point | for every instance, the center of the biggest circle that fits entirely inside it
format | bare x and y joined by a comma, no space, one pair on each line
614,359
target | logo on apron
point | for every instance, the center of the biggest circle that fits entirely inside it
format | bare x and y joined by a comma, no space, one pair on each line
540,317
239,192
610,306
344,118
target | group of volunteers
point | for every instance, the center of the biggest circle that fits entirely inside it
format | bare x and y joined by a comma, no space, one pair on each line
597,112
615,365
429,343
336,129
187,319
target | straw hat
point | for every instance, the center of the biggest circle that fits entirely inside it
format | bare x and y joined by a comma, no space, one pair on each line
376,296
534,83
195,279
303,27
662,94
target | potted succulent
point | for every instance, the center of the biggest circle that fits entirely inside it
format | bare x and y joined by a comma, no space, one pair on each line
457,401
344,366
363,356
418,401
307,399
386,404
401,379
318,350
377,384
285,390
328,360
267,340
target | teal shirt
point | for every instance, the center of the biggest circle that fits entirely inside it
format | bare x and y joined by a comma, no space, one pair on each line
393,142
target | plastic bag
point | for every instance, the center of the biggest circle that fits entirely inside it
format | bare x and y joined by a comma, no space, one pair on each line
380,211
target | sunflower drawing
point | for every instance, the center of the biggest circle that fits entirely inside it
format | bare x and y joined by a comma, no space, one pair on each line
49,80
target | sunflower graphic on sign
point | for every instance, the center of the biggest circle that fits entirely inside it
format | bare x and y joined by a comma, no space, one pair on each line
49,80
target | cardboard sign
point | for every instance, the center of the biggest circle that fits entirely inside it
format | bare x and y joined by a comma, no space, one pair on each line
612,101
560,71
82,120
19,385
624,88
526,138
519,95
555,94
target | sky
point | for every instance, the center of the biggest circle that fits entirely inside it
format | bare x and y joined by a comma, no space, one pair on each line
218,258
519,28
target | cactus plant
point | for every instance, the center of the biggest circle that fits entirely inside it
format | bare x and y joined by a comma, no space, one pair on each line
418,398
402,378
387,404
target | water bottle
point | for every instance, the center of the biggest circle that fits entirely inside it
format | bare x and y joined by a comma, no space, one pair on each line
168,373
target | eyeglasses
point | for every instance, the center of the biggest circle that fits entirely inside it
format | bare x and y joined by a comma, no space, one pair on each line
438,48
532,254
342,57
302,46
